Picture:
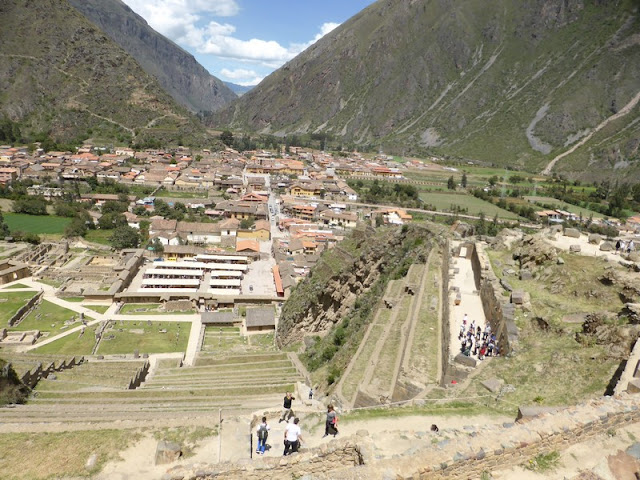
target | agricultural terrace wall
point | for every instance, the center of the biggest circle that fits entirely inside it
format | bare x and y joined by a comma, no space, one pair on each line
140,376
33,376
445,351
25,309
451,454
499,312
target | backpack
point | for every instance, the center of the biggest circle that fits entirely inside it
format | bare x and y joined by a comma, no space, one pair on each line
263,432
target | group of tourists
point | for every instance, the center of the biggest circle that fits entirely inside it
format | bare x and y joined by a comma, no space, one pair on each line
623,246
474,341
293,432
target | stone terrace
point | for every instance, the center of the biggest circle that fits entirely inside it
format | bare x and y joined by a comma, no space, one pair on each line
98,390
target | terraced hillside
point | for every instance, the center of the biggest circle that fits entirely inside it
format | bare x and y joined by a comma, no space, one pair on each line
97,392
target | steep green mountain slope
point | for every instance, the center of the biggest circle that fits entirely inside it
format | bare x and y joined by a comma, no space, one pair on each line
176,70
60,75
510,82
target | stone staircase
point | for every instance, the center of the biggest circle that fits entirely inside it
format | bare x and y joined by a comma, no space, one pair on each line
98,392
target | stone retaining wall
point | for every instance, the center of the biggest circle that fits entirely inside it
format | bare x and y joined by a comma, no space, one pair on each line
446,324
24,310
497,308
140,376
33,376
452,454
349,452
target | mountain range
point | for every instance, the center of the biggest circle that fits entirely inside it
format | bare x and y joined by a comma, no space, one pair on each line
514,83
177,71
64,78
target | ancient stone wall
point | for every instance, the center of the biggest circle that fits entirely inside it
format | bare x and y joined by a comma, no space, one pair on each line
24,310
140,376
33,376
498,310
451,454
446,324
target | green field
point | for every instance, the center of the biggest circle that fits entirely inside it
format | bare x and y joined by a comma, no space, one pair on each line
36,223
99,236
17,285
73,344
167,194
444,201
47,317
146,337
565,206
98,308
148,309
10,303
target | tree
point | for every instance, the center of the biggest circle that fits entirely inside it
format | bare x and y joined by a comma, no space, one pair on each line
157,246
4,228
30,206
481,225
226,137
463,182
111,206
124,237
111,220
451,183
76,228
493,180
246,223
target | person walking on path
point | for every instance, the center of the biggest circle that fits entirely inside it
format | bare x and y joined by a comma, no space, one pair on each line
263,433
292,437
331,425
287,412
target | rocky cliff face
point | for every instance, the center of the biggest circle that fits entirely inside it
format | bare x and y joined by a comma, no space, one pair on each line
330,293
507,82
177,71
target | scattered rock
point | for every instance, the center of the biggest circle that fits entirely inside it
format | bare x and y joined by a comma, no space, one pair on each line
92,461
506,285
575,249
633,386
607,247
560,261
464,360
525,275
571,232
595,239
167,452
493,384
517,297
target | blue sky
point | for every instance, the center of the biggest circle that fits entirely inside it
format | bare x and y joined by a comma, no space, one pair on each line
242,41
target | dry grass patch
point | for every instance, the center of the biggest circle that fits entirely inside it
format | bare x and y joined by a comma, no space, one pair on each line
35,456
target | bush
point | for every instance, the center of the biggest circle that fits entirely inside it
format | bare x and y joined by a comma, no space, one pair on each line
30,206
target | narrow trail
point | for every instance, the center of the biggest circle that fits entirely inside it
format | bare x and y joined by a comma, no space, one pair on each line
623,112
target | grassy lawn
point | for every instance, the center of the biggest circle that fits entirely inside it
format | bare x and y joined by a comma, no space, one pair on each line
148,308
146,337
10,303
35,456
36,223
424,351
47,317
168,194
73,299
72,344
564,206
98,236
17,285
98,308
52,283
443,202
263,341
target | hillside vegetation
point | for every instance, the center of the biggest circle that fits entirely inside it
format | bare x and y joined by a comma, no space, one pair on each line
62,78
188,82
505,82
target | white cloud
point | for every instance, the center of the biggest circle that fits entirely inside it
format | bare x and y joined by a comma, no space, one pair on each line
241,76
183,21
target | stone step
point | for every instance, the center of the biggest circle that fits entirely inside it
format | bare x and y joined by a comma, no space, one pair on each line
228,367
250,374
219,382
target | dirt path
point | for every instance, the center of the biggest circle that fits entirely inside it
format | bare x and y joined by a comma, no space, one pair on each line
623,111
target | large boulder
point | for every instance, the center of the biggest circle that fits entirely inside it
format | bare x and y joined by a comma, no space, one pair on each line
571,232
167,452
595,238
533,251
607,247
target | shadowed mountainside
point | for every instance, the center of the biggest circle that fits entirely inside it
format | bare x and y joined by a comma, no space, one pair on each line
177,71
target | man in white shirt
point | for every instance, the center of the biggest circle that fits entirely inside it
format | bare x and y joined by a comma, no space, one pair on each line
292,437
